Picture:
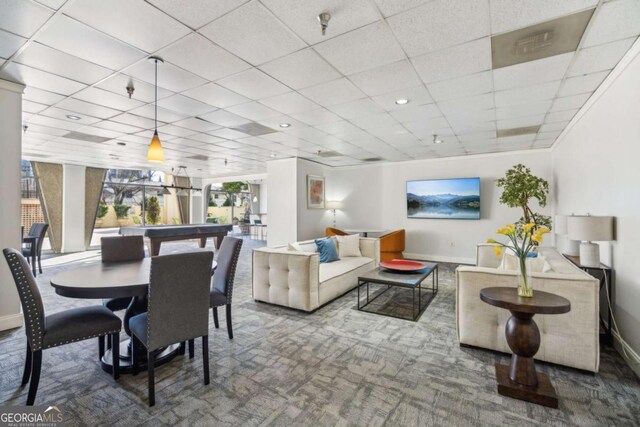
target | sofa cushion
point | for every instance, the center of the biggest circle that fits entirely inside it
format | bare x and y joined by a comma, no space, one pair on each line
330,270
538,264
327,249
349,246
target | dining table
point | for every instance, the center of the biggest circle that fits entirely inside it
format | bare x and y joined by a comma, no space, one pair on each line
103,280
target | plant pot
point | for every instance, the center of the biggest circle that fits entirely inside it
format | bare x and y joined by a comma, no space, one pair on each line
525,288
123,222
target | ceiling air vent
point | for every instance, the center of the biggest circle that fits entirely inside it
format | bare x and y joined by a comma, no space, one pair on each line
198,157
503,133
372,159
86,137
254,129
329,154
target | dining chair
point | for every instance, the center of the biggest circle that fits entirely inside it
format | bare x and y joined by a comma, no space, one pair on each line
331,231
37,231
177,310
43,332
121,249
222,282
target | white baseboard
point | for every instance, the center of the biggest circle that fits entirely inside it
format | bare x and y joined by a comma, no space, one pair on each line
628,354
440,258
11,321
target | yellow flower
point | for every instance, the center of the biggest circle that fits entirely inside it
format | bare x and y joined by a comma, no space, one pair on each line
491,241
528,227
543,230
537,237
498,250
503,230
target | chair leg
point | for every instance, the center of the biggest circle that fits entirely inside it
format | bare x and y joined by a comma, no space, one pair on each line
205,358
191,351
27,366
229,328
115,355
101,347
135,358
182,348
215,317
35,376
151,358
40,263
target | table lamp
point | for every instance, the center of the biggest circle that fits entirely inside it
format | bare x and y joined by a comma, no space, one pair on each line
334,205
589,229
571,247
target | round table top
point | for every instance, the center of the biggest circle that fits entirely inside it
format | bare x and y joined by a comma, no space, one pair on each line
105,280
540,303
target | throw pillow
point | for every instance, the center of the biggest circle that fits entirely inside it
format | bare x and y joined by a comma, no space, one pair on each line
349,246
327,249
294,247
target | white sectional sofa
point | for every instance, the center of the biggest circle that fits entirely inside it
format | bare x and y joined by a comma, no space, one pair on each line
298,280
570,339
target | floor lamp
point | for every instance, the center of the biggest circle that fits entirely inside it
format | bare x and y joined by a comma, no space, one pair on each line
333,206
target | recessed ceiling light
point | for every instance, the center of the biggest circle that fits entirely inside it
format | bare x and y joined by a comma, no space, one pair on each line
402,101
272,155
72,117
122,143
285,125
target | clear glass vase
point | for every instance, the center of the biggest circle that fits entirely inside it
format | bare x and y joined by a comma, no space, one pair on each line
525,288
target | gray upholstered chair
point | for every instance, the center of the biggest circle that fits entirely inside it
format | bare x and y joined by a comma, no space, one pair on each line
222,282
37,230
177,311
121,249
56,329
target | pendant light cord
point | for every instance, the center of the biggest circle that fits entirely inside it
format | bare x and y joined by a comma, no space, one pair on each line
156,103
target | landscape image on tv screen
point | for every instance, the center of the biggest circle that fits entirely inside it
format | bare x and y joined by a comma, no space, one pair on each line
444,198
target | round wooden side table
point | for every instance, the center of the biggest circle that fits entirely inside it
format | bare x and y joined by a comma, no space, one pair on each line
520,380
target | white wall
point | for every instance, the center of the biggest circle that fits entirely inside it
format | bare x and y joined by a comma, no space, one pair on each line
11,141
196,203
375,196
262,197
595,166
311,222
281,204
73,192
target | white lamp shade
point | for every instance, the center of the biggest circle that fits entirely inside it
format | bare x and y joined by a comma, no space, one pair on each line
560,224
334,204
590,228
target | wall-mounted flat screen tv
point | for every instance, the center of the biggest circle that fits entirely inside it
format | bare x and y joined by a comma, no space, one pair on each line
457,198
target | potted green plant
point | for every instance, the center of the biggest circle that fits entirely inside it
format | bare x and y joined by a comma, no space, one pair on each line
153,210
520,186
122,213
102,212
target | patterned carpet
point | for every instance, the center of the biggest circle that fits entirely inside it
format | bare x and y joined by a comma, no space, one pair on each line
337,366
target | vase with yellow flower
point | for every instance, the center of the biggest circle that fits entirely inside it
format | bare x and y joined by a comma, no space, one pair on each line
523,242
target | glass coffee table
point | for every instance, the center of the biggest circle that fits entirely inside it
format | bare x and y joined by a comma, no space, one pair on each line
392,279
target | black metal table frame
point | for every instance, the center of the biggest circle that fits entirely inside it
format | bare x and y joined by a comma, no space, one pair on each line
434,291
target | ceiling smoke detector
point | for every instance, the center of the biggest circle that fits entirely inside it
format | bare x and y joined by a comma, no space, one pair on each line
324,18
436,140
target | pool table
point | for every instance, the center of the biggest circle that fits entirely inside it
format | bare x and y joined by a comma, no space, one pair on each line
156,234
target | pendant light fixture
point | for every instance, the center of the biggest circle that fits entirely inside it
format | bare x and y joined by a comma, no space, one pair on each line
155,154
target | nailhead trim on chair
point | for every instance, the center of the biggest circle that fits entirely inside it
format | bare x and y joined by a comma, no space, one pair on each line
83,338
234,264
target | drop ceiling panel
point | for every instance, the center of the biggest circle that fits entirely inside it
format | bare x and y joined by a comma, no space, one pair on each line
357,108
198,55
82,107
416,112
507,15
53,61
374,122
560,116
317,117
392,7
301,69
301,16
441,24
462,105
523,110
108,99
253,111
224,118
216,95
32,107
253,33
40,79
169,76
582,84
533,72
23,18
196,13
416,95
332,93
135,120
9,44
461,60
164,115
184,105
143,91
197,124
615,20
289,103
134,22
527,94
362,49
253,84
548,127
600,58
118,127
396,76
61,114
473,84
521,122
80,40
570,102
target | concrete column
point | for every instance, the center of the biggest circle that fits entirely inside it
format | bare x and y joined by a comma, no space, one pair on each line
73,208
196,203
11,143
282,204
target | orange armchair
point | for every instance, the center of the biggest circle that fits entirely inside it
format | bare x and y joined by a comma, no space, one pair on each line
330,231
392,245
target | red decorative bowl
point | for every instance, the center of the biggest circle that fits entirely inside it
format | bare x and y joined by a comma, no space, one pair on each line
403,265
